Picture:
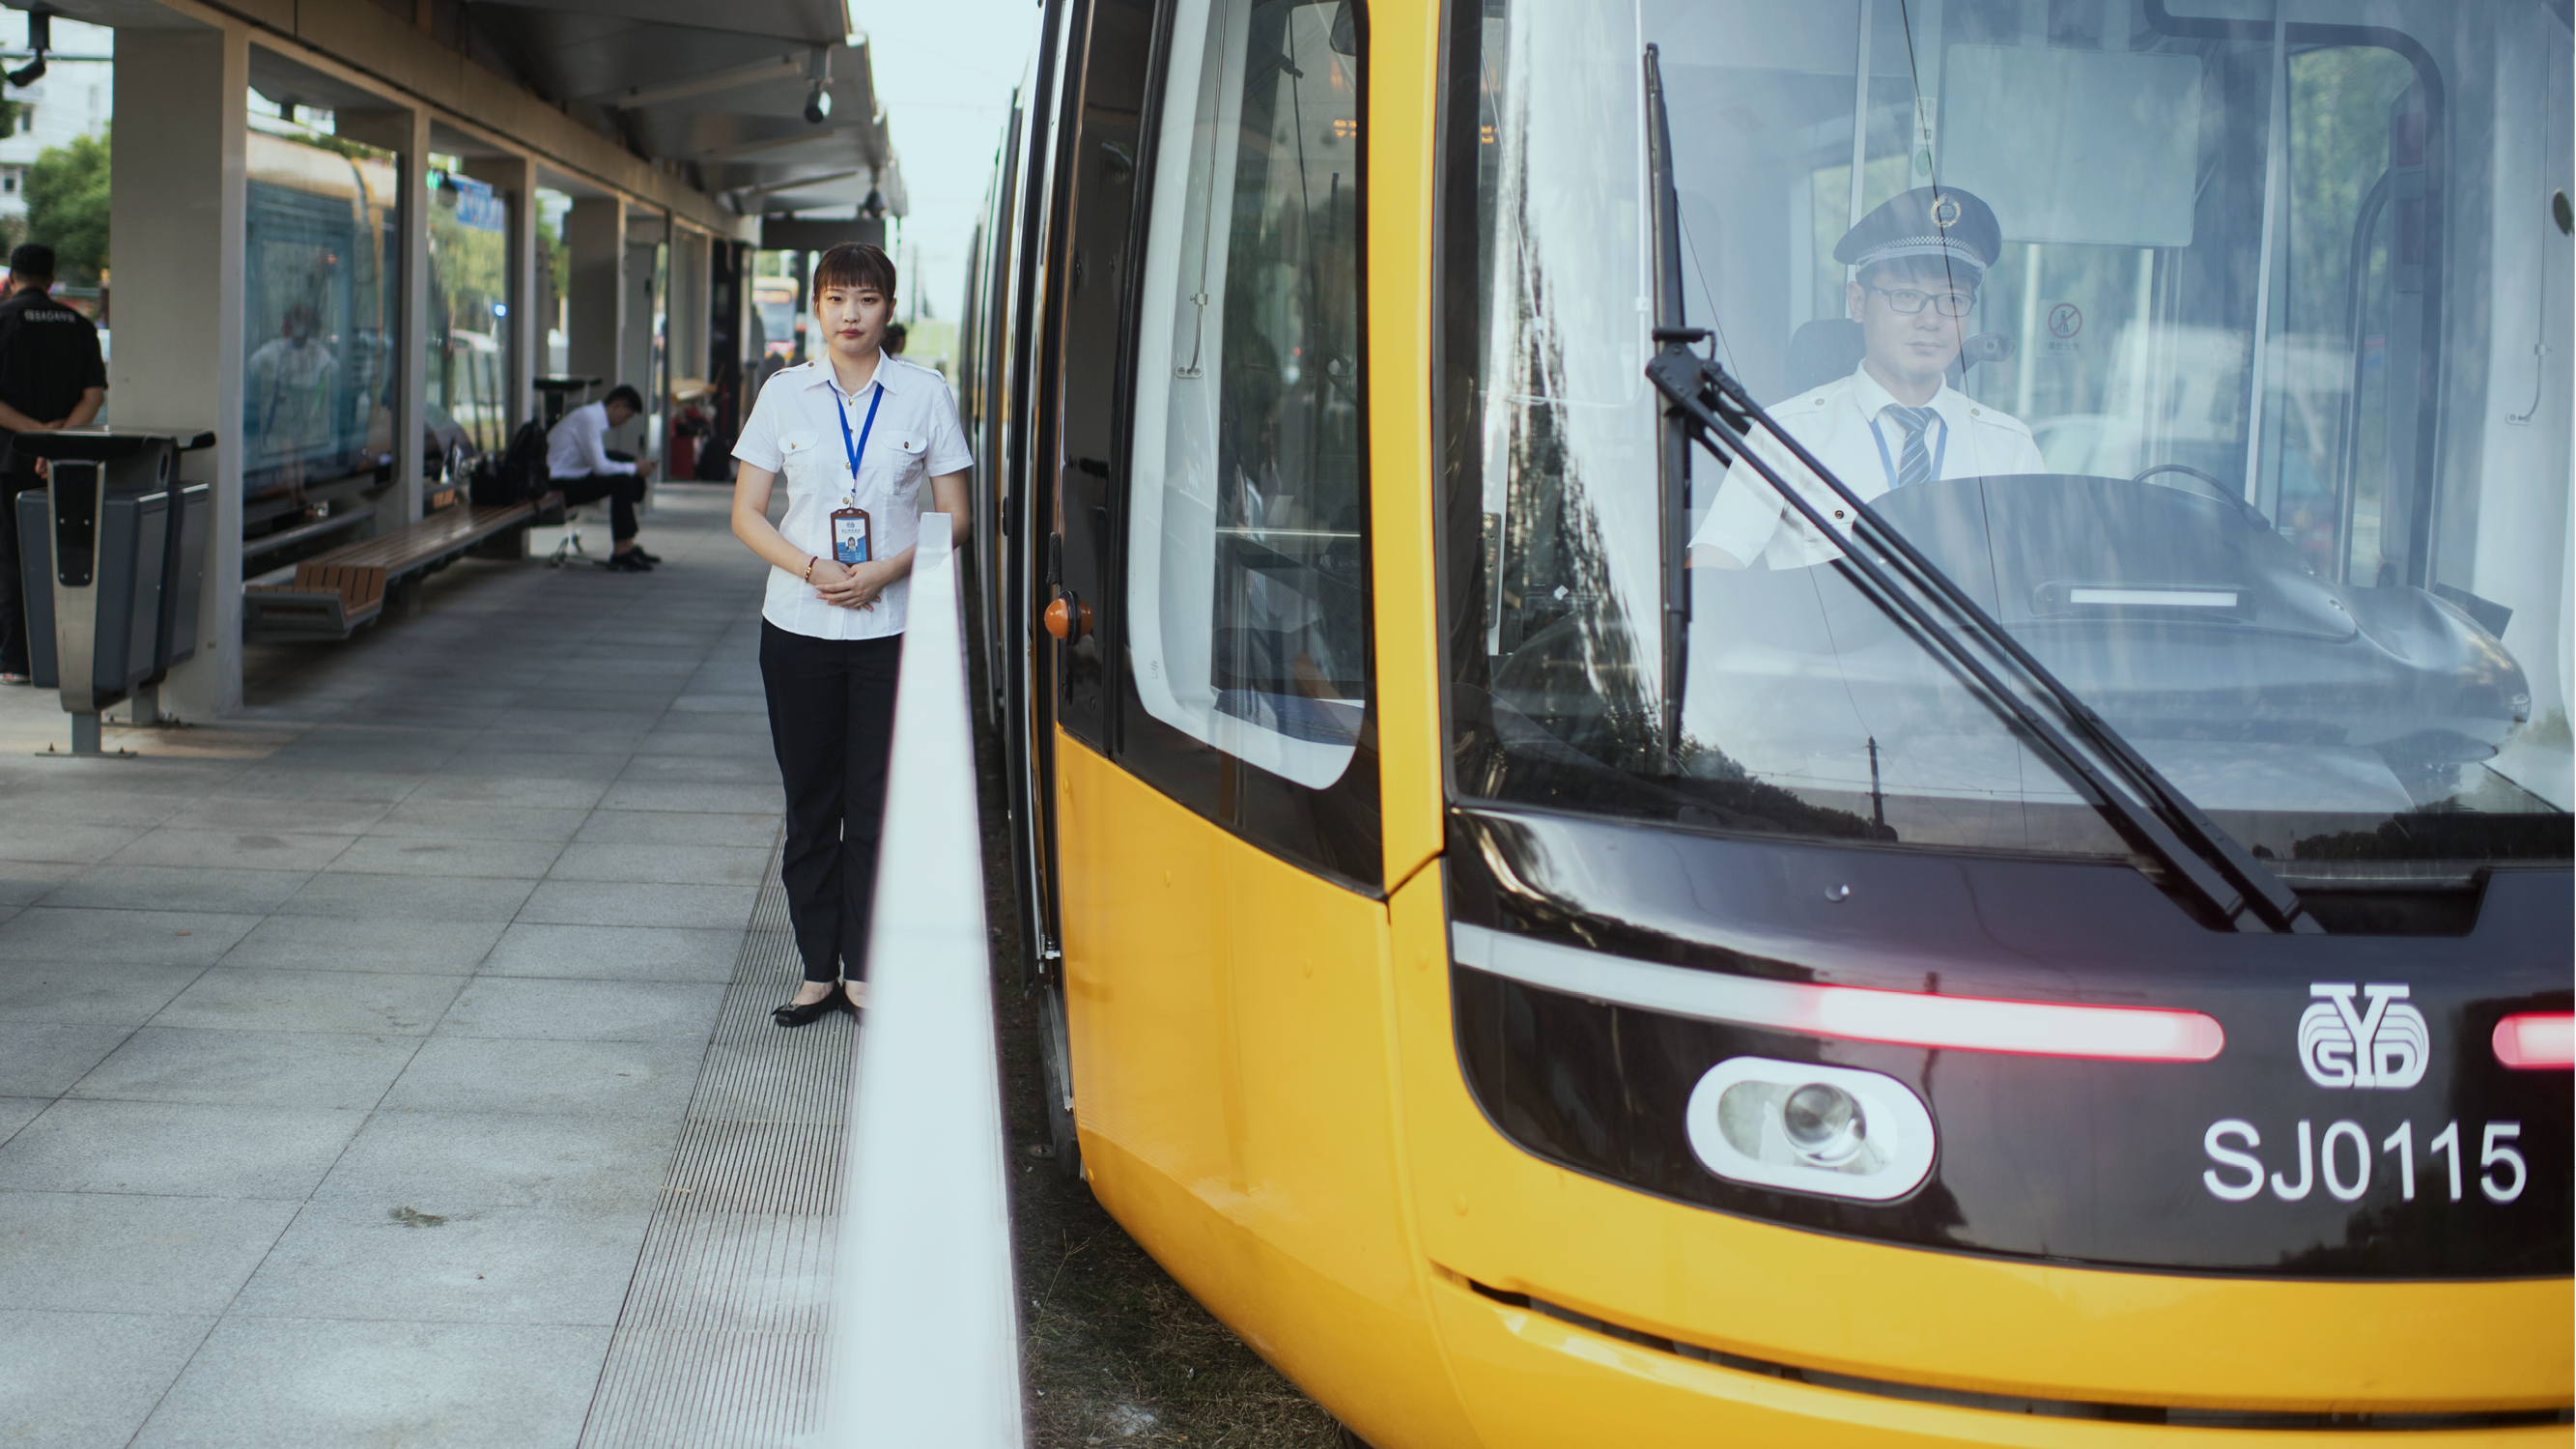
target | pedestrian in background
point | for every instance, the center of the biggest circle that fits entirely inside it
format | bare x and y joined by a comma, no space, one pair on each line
856,434
582,469
51,377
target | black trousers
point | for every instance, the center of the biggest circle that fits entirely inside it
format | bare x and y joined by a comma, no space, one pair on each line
13,598
623,490
831,719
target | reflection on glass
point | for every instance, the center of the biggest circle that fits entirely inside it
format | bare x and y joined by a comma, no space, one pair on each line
322,241
1246,577
469,299
554,278
2253,421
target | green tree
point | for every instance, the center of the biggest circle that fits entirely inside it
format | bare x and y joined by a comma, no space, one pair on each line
67,207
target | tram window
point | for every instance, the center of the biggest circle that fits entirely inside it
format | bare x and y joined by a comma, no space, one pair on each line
2266,309
1247,577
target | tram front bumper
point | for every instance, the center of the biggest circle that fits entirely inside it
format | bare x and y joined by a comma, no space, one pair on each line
1532,1380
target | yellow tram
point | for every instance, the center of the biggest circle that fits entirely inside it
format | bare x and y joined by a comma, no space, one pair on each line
1578,904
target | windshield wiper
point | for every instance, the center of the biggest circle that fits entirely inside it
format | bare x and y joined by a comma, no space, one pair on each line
2201,857
1672,452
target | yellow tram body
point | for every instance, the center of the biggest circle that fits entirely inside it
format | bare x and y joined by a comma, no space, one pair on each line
1277,1117
1268,1095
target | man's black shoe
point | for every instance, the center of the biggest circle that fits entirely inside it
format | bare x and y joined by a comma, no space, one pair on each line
626,563
650,558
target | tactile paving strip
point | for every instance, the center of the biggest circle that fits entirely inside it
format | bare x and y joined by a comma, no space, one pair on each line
721,1343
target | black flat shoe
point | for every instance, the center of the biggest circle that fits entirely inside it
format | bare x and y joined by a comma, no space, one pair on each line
792,1014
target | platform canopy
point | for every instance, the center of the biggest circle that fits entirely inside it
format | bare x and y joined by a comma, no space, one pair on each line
721,90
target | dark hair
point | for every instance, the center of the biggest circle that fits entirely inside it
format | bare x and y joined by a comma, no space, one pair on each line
623,394
896,336
34,259
855,264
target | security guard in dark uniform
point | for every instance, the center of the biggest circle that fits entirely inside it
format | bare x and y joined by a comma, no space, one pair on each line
51,376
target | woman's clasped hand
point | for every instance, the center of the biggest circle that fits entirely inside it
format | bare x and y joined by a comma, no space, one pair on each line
850,586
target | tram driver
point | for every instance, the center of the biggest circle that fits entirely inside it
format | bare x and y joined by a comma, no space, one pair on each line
1916,262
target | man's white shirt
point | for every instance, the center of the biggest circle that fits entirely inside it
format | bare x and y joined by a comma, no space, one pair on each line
795,432
1844,424
578,446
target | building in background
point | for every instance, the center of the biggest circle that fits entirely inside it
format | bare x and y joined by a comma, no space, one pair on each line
75,97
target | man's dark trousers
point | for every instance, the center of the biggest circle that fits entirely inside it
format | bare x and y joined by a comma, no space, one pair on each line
623,490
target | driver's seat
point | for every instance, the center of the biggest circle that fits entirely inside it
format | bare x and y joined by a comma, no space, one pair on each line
1822,350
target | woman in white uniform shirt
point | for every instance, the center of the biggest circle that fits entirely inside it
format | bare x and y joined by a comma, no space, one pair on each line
1896,420
853,428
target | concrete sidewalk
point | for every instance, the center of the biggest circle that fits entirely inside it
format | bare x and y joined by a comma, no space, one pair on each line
343,1045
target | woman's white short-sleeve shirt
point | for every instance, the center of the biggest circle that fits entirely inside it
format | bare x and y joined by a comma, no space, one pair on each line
794,432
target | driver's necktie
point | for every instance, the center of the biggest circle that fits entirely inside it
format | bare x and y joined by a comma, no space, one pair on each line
1914,465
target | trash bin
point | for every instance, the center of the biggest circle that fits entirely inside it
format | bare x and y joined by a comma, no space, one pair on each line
113,552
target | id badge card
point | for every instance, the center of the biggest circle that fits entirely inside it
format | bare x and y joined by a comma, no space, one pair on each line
850,537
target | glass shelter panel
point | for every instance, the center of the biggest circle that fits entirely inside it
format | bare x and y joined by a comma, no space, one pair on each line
1247,576
469,301
321,308
2219,351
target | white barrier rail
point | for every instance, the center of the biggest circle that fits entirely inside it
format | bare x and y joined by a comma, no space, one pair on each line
926,1332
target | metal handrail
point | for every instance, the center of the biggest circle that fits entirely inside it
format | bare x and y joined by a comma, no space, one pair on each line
926,1333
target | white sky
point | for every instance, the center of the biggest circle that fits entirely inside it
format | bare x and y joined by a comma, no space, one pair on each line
944,74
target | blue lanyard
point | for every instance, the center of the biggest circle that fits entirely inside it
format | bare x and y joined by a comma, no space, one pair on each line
1939,455
859,449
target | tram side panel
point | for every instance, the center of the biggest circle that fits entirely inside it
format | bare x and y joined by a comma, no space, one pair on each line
1231,1067
1029,737
1232,1074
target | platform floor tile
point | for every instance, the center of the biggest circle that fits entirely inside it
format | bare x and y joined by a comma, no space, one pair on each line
389,1062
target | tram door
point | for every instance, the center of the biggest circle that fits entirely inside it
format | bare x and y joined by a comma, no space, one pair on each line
1205,435
1108,52
1219,842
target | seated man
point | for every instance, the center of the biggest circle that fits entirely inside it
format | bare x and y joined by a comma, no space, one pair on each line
578,460
1916,262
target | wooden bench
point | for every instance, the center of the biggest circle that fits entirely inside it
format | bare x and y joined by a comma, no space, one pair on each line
333,595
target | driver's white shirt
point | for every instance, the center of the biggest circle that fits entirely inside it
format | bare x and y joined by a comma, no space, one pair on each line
1842,424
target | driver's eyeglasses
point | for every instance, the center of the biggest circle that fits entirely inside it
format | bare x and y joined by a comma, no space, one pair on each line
1905,301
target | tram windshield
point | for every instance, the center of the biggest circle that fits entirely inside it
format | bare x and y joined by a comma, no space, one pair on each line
2219,349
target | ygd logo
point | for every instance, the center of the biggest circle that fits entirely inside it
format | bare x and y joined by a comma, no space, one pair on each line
2383,1042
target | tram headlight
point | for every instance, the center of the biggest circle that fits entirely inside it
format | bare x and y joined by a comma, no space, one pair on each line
1833,1131
1823,1124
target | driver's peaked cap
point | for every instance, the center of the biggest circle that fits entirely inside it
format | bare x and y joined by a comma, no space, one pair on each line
1929,221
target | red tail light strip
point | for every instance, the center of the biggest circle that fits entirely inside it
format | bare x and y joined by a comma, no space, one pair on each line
1900,1018
2537,1041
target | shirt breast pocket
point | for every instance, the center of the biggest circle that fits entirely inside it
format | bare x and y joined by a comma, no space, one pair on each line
802,459
909,450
